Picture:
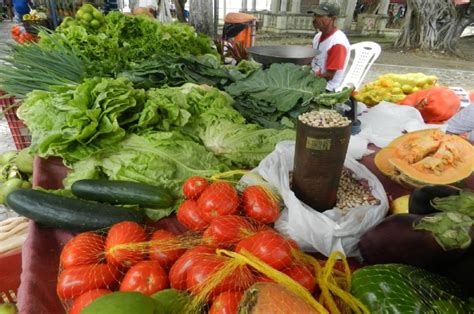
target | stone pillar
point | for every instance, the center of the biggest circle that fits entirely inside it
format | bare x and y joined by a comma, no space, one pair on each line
244,5
275,6
296,6
282,23
254,5
383,8
283,5
349,13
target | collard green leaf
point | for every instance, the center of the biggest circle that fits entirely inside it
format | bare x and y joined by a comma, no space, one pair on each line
268,95
284,85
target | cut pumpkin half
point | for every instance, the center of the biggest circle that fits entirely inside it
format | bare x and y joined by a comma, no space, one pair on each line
426,157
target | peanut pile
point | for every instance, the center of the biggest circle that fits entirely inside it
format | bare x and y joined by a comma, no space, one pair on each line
351,193
324,119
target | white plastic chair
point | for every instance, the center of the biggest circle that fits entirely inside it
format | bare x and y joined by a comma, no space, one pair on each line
366,53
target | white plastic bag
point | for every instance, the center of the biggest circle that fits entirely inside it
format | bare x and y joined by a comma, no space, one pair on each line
387,121
314,231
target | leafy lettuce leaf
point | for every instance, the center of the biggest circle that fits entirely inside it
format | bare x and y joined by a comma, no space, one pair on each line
75,122
244,145
163,159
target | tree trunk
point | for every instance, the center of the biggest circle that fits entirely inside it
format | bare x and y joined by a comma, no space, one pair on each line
201,16
434,25
179,4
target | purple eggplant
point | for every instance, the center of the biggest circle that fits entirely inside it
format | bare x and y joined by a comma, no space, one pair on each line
394,240
420,199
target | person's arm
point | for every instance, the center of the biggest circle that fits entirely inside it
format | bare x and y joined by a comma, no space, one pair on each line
328,75
335,61
462,122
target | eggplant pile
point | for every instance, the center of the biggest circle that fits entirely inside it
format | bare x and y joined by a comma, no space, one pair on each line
436,234
16,169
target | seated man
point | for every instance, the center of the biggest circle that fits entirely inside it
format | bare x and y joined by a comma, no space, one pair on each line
333,45
463,122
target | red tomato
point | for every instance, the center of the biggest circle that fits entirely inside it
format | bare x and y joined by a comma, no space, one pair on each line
124,233
259,277
219,199
179,270
84,249
259,205
226,303
301,274
194,186
226,231
75,281
165,248
268,246
202,270
294,245
146,277
84,300
189,215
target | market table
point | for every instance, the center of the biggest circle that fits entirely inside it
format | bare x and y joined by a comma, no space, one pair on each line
41,250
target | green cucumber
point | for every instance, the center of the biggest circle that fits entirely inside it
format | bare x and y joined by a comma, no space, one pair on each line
123,193
67,213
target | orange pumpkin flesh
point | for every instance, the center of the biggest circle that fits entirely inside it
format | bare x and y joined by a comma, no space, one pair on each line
426,157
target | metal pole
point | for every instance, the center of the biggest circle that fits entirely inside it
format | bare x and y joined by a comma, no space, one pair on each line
216,17
252,33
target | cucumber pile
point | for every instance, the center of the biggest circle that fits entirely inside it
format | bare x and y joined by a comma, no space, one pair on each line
99,204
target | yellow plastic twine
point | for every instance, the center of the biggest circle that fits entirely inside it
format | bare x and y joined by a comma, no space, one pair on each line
205,288
181,242
333,282
329,285
259,181
246,258
224,176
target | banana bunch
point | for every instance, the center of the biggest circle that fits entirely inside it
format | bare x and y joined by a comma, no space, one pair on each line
16,169
394,87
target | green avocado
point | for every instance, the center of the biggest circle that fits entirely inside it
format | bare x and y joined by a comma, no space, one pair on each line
171,301
122,303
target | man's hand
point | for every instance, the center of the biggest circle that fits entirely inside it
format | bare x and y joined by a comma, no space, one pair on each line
328,75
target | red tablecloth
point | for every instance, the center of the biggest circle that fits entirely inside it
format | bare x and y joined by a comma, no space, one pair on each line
41,250
10,270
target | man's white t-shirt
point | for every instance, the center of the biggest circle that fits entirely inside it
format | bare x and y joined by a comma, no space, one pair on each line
334,55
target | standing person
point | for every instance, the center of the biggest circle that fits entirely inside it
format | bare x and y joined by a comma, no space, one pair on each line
332,43
20,8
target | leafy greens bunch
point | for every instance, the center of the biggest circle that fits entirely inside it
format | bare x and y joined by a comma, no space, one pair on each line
174,70
125,39
107,128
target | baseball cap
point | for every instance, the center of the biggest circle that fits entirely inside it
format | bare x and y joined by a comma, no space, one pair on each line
326,9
